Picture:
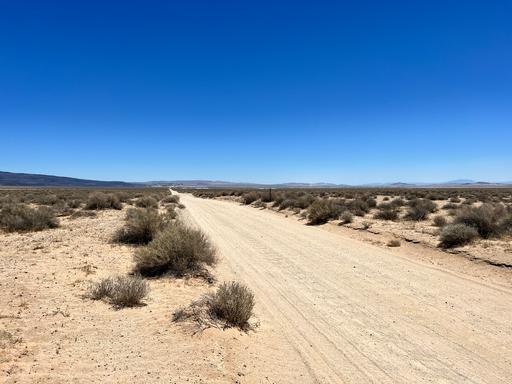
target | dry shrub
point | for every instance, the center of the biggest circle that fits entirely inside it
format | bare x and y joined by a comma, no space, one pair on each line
23,218
453,235
250,197
347,217
420,209
121,291
386,214
488,219
178,250
172,199
233,302
141,226
440,221
100,200
146,202
393,243
323,210
230,306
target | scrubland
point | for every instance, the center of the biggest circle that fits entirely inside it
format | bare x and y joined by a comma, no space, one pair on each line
476,223
91,277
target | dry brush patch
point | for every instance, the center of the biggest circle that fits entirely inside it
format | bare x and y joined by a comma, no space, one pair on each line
120,291
177,250
141,226
20,217
230,306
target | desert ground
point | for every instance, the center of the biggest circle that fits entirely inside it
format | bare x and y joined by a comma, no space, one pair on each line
333,305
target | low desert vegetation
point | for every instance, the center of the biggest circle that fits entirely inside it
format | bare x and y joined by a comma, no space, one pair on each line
346,217
321,211
142,226
20,217
419,209
230,306
178,250
488,220
146,202
454,235
100,200
393,243
120,291
440,221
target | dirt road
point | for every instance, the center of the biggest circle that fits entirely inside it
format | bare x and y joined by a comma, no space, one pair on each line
356,313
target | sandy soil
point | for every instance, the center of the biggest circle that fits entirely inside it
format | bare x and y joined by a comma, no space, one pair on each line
330,308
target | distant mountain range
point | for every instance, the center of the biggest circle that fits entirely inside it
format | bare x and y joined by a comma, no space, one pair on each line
35,180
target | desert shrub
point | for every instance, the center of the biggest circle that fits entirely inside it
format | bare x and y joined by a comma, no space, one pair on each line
386,214
233,302
323,210
358,207
454,199
172,199
20,217
398,202
450,206
123,196
121,291
371,202
146,202
453,235
440,221
393,243
141,226
347,217
250,197
75,203
486,219
385,198
420,209
304,201
100,200
177,249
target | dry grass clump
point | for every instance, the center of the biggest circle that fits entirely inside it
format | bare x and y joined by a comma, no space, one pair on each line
453,235
141,226
78,214
230,306
146,202
120,291
21,218
177,250
100,200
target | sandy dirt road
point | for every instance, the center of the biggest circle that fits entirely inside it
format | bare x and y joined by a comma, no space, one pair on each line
357,313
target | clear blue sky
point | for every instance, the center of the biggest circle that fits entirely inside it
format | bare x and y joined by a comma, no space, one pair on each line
261,91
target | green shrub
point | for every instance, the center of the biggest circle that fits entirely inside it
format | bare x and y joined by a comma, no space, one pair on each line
141,226
100,200
178,250
121,291
23,218
453,235
233,302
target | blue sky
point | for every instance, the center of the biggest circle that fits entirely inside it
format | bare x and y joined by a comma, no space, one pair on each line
259,91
